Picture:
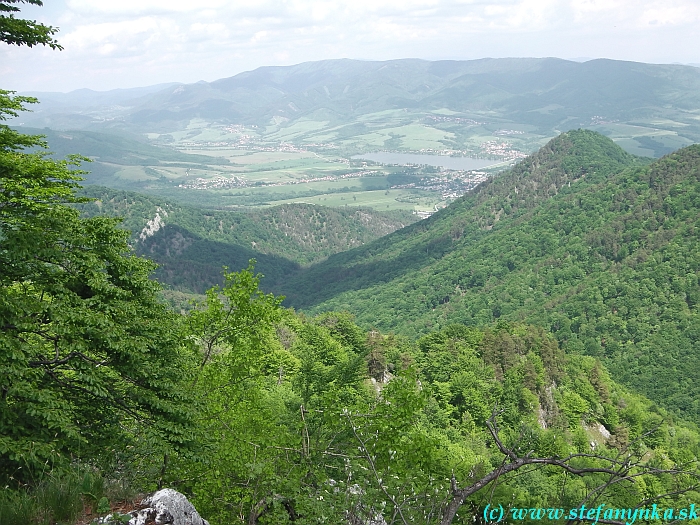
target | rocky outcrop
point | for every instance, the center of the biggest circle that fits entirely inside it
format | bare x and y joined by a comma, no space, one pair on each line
166,507
152,226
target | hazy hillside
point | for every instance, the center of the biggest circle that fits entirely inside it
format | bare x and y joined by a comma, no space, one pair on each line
112,152
546,95
125,150
82,107
577,238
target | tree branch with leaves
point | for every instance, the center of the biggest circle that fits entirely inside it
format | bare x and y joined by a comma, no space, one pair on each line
21,32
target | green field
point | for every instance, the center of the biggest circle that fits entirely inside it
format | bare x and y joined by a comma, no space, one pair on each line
380,200
279,154
646,139
482,108
277,173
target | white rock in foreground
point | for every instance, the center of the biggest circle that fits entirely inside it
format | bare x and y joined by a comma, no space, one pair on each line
167,507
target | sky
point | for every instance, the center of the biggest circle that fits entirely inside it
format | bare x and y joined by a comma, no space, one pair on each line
111,44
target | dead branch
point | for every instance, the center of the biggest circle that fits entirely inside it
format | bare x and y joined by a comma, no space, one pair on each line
620,468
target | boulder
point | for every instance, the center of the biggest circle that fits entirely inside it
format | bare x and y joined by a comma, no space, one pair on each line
166,507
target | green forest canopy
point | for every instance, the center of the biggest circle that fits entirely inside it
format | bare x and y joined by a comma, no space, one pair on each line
579,238
263,415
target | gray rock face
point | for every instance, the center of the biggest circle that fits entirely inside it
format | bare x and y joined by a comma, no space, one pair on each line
167,507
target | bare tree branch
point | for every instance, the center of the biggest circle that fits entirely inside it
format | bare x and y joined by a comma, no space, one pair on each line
623,467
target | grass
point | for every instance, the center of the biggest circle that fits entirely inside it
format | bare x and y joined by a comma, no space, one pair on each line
412,136
287,168
295,164
298,129
219,152
327,136
19,508
380,200
197,123
134,173
264,157
58,499
383,116
643,138
62,497
200,130
75,496
273,166
393,128
632,146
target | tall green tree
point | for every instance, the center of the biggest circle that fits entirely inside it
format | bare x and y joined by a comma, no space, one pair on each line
88,354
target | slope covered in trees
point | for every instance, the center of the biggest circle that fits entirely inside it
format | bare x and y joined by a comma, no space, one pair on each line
348,426
192,244
580,158
577,238
262,415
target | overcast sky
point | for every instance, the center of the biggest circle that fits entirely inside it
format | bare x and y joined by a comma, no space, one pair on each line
128,43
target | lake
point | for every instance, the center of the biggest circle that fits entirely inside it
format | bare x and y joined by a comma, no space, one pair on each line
452,163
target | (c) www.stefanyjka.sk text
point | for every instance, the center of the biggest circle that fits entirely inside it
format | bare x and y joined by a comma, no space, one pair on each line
497,514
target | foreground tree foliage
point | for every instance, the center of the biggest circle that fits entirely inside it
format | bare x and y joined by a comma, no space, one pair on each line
324,423
87,351
20,32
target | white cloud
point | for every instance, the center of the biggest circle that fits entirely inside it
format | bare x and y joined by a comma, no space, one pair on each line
582,8
136,7
637,14
199,31
137,37
670,14
258,37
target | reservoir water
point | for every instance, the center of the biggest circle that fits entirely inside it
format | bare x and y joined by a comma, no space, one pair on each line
452,163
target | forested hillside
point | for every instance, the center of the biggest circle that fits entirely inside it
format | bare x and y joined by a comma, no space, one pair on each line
349,426
579,239
111,152
265,416
192,244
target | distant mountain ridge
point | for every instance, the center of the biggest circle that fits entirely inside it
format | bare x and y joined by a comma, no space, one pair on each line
81,97
542,92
